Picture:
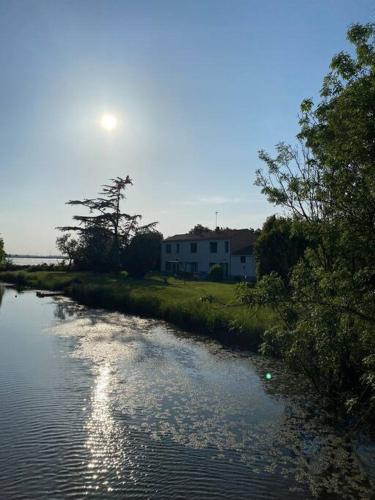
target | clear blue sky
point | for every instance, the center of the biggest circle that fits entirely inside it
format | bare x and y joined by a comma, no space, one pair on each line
199,87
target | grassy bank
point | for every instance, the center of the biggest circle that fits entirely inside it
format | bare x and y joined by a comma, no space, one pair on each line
205,307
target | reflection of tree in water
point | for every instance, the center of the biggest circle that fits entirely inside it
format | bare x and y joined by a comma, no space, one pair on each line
308,445
66,309
2,291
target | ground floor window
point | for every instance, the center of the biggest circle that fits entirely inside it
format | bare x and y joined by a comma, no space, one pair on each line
243,259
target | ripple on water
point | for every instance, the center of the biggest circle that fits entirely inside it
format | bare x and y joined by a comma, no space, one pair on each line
133,407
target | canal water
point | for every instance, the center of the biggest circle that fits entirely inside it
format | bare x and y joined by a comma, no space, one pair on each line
96,404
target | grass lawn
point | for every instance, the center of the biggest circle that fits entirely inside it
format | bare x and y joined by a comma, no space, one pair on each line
175,300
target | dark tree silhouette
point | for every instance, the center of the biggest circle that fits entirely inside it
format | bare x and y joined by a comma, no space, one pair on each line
2,251
107,218
199,229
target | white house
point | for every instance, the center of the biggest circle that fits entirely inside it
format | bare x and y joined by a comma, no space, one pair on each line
197,253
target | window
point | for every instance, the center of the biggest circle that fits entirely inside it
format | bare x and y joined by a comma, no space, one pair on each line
213,246
177,248
193,247
243,259
226,246
168,248
168,266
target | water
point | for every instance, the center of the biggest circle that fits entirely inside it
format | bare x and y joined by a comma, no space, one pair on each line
34,261
100,405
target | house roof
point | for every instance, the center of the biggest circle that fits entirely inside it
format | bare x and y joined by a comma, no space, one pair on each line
242,240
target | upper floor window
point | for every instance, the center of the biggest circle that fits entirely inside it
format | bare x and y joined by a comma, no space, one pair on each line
213,246
177,248
243,259
193,247
226,246
168,248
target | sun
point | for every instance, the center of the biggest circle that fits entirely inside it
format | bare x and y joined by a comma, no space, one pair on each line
108,122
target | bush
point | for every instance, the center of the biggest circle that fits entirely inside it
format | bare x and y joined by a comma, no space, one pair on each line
207,298
216,273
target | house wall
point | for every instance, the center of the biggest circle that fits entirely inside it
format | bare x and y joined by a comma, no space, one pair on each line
246,269
203,257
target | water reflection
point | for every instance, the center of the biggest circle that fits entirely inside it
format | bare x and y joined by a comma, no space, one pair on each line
158,391
102,433
2,291
111,462
65,309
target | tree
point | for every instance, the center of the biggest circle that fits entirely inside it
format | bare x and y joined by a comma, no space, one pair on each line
280,245
199,229
95,250
107,230
2,252
68,247
143,253
327,184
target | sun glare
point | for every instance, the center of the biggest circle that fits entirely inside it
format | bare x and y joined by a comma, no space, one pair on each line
108,122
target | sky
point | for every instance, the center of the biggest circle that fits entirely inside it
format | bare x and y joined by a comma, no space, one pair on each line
197,86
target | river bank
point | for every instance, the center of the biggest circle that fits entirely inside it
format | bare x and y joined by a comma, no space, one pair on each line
205,307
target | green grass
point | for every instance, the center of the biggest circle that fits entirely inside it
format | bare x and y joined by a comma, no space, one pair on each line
176,301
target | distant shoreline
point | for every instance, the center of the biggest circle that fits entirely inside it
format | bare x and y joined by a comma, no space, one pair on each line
16,256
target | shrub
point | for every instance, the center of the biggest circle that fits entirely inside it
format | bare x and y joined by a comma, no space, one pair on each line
207,298
216,273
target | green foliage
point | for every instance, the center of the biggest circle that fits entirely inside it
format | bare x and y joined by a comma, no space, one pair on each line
327,184
199,229
216,273
279,247
2,252
94,250
207,298
142,255
68,246
105,233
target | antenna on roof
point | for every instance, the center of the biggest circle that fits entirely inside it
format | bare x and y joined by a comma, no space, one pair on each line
216,214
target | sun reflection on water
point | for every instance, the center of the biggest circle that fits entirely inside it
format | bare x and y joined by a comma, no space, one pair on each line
108,462
161,400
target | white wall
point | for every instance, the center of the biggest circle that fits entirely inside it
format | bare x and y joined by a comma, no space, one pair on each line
243,269
203,256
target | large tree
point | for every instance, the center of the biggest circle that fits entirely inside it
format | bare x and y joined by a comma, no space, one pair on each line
107,230
327,184
279,246
142,255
